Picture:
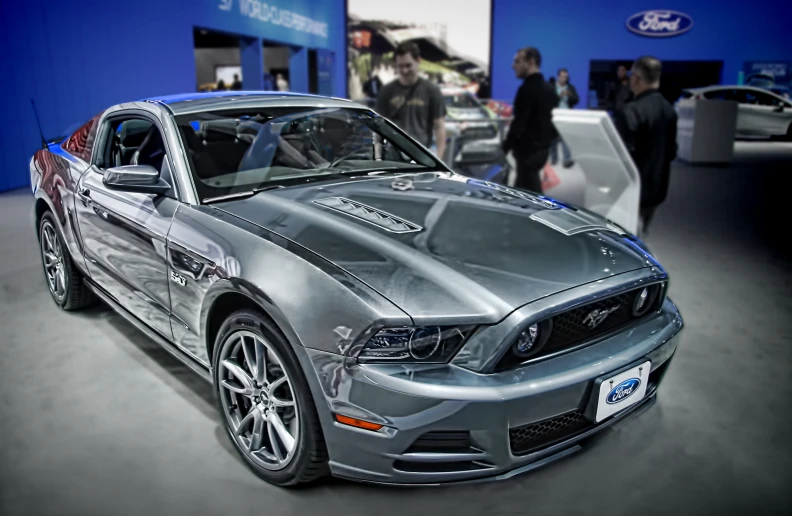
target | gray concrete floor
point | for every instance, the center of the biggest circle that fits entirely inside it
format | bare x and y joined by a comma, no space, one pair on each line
95,419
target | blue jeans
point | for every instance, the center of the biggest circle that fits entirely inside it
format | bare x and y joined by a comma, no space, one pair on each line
564,150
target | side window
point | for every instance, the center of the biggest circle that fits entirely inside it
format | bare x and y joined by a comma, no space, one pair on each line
136,141
740,96
765,99
717,95
80,144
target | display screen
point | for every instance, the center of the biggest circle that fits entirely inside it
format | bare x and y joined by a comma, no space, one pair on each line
454,42
227,73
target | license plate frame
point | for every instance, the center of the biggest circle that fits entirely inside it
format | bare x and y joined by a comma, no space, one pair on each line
600,408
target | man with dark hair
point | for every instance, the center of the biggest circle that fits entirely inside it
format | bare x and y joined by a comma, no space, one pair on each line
532,130
413,103
568,99
648,127
619,93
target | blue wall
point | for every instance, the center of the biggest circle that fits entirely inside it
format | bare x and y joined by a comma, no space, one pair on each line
75,58
570,33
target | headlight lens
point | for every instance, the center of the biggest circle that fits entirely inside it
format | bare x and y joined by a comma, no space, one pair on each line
532,339
423,344
527,339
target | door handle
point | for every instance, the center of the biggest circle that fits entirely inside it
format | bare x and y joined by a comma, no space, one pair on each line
85,196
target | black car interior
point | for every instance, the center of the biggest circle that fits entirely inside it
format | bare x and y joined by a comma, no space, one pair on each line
135,142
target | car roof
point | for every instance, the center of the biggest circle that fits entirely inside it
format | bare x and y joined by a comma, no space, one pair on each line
728,87
210,101
735,87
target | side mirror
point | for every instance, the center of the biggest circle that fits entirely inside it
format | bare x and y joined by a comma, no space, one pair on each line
135,178
779,108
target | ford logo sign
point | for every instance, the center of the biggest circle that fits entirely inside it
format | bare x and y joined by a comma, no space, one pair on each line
623,391
659,24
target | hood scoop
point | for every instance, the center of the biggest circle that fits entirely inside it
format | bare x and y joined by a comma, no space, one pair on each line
369,214
571,222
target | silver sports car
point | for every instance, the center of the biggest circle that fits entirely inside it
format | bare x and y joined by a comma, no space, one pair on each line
760,112
359,309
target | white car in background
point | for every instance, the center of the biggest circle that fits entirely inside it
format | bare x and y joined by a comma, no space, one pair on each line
760,113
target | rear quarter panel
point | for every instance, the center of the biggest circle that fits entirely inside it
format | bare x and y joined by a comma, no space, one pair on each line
59,173
314,303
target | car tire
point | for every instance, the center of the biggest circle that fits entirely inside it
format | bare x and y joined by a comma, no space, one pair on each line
64,279
245,337
788,136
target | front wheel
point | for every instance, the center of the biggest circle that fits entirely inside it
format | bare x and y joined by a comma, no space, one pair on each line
266,403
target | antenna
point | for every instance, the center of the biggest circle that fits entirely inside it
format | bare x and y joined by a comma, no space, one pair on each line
38,122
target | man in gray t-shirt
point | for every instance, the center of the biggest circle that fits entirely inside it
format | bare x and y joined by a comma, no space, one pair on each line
414,104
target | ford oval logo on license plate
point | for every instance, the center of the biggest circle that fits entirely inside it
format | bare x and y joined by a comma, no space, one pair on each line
623,391
659,23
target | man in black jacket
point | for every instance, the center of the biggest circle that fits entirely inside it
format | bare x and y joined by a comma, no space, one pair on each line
619,92
532,130
567,99
648,127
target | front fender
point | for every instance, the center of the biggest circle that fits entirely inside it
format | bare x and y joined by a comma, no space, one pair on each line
315,303
243,287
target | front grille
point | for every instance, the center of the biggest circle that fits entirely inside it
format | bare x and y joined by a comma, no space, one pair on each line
573,328
529,438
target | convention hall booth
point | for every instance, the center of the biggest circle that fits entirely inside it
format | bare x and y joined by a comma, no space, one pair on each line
262,257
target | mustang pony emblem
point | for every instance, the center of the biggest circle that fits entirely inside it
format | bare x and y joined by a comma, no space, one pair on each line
596,316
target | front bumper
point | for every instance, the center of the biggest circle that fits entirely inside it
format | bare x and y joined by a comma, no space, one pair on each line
428,406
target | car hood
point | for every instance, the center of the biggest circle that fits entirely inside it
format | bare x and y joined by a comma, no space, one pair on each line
443,246
475,113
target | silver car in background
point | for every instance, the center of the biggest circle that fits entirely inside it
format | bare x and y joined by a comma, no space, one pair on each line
760,113
358,309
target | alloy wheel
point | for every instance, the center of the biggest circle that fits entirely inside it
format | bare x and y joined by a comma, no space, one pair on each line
258,400
54,266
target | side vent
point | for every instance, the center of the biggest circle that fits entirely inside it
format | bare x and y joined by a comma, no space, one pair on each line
368,214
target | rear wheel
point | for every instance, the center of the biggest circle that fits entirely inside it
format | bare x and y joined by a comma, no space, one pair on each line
789,133
266,403
64,280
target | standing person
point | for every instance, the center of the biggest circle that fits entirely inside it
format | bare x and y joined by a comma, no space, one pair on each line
648,127
281,82
567,99
413,103
237,84
532,130
372,87
619,93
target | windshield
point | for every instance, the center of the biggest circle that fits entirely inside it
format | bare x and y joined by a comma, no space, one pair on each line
461,101
239,151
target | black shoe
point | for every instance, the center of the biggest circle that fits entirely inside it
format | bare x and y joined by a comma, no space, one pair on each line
569,163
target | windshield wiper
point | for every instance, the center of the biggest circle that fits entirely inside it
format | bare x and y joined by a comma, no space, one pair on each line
382,169
240,195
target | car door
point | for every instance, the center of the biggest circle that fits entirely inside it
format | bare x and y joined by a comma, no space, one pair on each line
124,233
759,114
774,112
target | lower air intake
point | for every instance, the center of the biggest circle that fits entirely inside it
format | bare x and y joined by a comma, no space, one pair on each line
534,437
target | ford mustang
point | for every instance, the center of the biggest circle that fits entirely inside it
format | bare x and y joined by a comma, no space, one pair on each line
359,309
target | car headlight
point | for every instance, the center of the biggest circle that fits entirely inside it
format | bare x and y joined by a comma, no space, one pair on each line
422,344
532,339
